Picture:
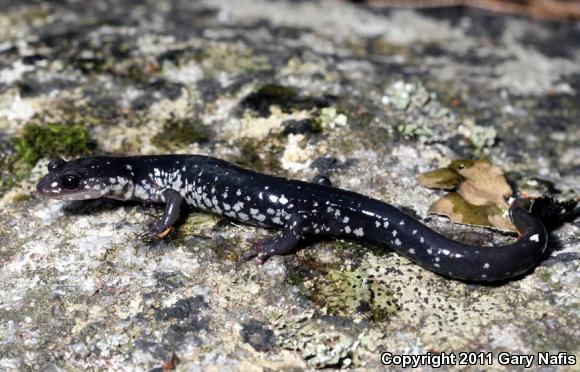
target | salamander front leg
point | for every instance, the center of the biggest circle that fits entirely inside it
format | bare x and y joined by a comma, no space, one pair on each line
163,226
285,244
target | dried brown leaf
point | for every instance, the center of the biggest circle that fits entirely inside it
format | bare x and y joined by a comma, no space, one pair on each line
480,193
479,182
442,178
484,184
459,210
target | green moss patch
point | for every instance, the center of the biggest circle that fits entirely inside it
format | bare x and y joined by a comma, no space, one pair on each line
359,291
39,141
10,174
261,155
177,133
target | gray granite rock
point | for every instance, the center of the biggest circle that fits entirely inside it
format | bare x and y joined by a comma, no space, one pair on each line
369,97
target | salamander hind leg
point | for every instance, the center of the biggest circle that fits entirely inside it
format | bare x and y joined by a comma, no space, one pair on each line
285,244
163,226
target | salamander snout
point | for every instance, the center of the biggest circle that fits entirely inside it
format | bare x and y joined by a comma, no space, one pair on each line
69,181
59,186
86,178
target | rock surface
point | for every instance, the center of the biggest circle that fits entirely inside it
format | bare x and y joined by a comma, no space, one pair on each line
369,97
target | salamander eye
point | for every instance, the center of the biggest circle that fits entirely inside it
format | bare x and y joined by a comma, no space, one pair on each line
70,182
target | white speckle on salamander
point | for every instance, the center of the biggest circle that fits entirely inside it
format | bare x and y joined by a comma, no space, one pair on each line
486,265
414,232
377,223
359,232
283,200
140,192
394,233
386,224
422,240
412,251
429,251
368,213
273,198
54,184
535,238
397,242
238,206
345,219
129,167
347,229
445,252
402,222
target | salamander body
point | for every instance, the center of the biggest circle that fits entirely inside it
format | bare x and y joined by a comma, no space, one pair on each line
299,208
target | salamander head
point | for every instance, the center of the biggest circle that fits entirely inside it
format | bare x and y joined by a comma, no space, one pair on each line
86,178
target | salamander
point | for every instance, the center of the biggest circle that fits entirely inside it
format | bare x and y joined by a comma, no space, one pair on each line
300,209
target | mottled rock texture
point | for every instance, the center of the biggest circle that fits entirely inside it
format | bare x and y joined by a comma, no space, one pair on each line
370,98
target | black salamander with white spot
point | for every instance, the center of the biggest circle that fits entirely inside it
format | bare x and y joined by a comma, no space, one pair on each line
299,208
